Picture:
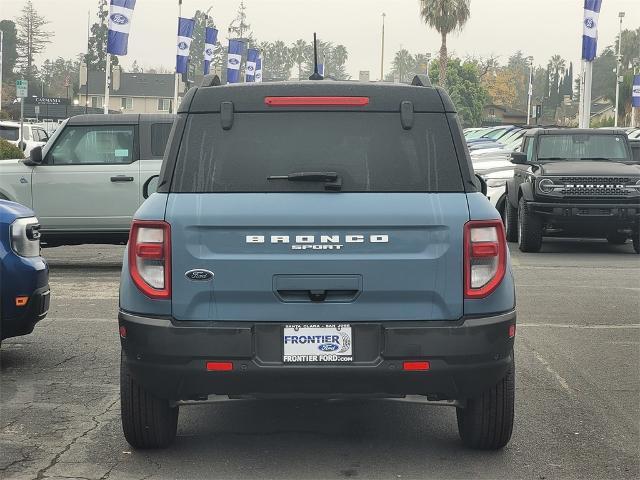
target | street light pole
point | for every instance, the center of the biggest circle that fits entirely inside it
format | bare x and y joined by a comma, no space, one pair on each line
1,53
428,62
382,56
618,62
530,90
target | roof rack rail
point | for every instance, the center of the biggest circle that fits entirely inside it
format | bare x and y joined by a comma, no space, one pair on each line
421,80
211,81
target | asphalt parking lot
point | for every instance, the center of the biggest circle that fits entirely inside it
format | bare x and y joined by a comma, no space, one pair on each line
578,386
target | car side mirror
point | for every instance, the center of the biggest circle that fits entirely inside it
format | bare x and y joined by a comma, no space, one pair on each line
519,158
483,184
35,157
150,186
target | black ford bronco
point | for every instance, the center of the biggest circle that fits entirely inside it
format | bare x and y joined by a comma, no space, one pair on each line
573,183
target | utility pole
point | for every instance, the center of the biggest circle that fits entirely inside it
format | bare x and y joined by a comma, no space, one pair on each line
382,56
177,79
530,89
1,53
86,100
428,55
618,63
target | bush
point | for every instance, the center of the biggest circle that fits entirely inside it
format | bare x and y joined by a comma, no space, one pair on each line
9,150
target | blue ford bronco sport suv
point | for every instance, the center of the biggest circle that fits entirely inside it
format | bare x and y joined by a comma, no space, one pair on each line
324,239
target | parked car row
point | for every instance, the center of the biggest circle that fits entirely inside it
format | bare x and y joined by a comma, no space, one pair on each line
563,182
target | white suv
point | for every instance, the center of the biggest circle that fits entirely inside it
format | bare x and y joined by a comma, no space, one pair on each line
33,135
89,179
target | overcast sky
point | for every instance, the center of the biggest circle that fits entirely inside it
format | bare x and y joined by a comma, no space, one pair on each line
540,28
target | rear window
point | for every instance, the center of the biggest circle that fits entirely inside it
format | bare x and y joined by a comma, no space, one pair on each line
370,152
9,133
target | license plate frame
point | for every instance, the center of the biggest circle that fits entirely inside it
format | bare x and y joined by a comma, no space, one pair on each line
314,344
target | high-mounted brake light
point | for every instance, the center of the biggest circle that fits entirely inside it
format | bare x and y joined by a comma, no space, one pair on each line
316,101
219,366
150,257
485,257
416,366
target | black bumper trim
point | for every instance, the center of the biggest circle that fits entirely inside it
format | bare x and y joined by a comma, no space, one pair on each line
36,310
466,356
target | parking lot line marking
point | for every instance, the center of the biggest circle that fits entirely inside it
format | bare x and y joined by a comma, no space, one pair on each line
586,327
560,379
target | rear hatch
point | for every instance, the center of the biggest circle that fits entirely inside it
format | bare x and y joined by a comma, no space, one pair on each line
381,239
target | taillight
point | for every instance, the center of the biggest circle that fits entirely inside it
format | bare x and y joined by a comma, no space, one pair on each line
485,257
150,257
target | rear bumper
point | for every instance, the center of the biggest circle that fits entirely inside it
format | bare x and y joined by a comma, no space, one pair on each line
35,310
466,357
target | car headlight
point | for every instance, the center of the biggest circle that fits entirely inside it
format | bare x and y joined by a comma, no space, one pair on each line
546,185
25,237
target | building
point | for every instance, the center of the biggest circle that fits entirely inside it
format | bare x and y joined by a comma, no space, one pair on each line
602,110
501,115
131,92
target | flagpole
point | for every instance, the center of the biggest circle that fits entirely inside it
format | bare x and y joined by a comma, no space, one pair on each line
107,81
176,81
1,53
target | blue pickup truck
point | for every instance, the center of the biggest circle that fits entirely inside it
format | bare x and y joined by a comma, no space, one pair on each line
324,239
24,275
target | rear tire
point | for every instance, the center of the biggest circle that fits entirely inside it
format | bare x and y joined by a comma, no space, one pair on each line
616,238
510,221
486,423
529,229
147,421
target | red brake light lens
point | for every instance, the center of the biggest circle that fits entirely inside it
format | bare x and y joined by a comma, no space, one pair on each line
150,258
316,101
485,257
416,366
219,366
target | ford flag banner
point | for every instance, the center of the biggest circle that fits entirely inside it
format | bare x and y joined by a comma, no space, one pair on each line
590,29
236,47
120,15
210,39
185,32
258,76
250,70
635,96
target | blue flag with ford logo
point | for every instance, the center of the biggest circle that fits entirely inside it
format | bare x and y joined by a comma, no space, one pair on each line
185,34
590,29
120,14
236,47
250,70
635,95
258,77
210,39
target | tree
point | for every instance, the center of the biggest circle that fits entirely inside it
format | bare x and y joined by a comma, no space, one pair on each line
239,28
31,40
557,68
403,65
445,16
96,57
277,60
9,52
60,77
334,58
298,55
501,86
466,90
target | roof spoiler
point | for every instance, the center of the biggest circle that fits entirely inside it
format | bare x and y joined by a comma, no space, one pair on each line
421,80
211,81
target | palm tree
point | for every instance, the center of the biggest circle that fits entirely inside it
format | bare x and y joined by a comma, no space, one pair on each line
445,16
403,63
299,55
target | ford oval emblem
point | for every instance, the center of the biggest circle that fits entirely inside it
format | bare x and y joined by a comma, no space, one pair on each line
119,19
234,61
209,52
328,347
199,275
183,45
589,23
250,68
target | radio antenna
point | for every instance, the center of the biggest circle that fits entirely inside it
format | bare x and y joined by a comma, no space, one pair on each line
316,75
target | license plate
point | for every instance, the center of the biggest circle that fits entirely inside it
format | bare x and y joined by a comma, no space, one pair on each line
317,343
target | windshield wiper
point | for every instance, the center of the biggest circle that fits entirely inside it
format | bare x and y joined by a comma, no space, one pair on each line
331,179
596,158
